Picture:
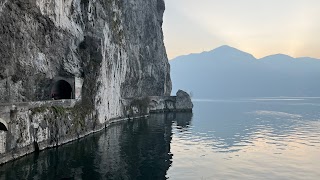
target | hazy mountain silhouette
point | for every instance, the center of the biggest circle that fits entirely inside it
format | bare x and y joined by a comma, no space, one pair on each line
228,72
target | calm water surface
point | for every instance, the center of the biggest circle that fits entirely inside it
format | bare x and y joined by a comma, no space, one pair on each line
265,138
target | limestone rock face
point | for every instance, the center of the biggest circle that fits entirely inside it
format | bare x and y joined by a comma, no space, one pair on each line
183,101
115,47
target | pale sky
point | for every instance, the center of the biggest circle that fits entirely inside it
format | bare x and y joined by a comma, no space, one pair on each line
259,27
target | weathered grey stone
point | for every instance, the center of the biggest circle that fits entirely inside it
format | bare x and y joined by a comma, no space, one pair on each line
39,125
116,47
113,48
183,101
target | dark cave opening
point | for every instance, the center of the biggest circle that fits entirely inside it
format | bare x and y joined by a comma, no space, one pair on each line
3,127
61,90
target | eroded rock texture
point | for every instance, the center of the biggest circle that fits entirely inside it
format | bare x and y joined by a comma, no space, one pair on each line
115,46
183,101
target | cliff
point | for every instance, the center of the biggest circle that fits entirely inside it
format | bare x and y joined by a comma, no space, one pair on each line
96,52
116,48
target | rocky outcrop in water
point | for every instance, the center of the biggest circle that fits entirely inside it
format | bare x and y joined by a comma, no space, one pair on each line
183,101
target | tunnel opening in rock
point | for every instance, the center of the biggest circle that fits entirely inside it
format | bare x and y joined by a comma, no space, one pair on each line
61,90
3,127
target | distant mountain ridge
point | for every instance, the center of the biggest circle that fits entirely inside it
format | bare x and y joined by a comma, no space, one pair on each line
225,49
229,72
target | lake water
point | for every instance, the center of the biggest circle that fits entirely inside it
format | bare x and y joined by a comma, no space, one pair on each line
265,138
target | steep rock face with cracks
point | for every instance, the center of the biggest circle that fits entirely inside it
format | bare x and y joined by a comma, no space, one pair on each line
115,46
95,52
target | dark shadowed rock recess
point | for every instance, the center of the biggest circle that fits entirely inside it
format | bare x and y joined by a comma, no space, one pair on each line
69,68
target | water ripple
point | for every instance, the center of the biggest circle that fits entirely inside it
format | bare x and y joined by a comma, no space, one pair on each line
239,145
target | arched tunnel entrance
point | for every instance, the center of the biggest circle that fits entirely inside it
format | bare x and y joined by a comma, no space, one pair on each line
3,135
61,90
3,125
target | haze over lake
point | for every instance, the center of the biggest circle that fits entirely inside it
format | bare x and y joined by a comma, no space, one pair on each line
226,72
253,118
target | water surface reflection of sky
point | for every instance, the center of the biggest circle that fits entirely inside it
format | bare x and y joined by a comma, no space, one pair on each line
249,139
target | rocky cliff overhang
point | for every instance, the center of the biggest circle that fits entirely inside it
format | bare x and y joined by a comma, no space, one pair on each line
93,53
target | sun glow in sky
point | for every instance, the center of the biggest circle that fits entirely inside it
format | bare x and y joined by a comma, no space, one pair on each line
259,27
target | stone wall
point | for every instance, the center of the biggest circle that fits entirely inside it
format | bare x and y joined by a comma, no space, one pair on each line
179,103
39,125
150,138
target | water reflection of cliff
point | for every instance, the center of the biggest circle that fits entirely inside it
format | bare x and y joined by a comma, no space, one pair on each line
130,150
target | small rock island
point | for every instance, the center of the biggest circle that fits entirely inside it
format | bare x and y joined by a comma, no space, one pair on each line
70,68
